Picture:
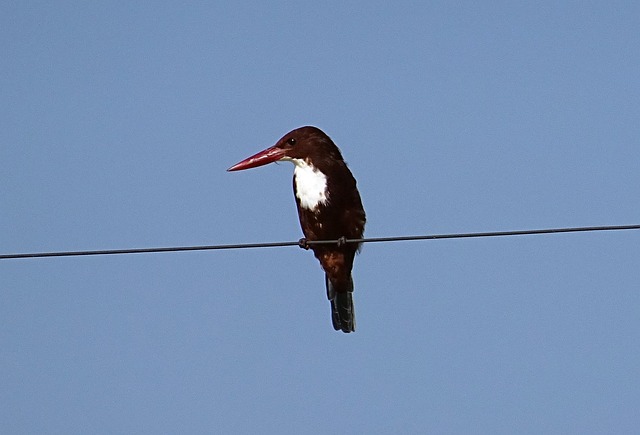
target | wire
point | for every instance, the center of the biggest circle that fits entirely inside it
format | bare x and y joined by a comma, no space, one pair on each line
306,243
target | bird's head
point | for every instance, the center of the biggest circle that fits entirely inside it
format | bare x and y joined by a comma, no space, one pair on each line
304,143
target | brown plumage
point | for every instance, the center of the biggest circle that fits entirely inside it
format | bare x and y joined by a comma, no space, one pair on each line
329,208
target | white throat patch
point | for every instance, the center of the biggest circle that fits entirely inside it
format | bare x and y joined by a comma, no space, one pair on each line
311,185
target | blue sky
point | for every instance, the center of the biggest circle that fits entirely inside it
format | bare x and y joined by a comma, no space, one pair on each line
119,120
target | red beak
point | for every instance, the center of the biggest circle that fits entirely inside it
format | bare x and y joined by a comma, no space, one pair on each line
269,155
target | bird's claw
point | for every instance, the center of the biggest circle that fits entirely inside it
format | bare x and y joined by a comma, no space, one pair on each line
304,244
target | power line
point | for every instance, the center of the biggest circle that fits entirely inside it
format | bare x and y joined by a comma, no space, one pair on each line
303,242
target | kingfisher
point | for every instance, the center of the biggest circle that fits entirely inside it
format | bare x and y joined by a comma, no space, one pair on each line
329,208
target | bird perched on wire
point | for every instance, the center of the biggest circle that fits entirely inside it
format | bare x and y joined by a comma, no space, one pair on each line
329,208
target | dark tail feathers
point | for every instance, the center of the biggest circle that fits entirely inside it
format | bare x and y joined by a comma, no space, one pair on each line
343,314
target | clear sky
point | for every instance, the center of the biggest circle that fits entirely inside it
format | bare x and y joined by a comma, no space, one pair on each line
119,119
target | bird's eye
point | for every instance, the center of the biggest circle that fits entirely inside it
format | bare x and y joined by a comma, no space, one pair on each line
291,141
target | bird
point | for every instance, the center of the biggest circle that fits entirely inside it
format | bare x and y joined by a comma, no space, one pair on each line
329,208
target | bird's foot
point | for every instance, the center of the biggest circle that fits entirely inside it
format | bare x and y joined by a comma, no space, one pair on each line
303,243
342,241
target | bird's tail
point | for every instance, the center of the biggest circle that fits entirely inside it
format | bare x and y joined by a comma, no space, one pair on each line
343,314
